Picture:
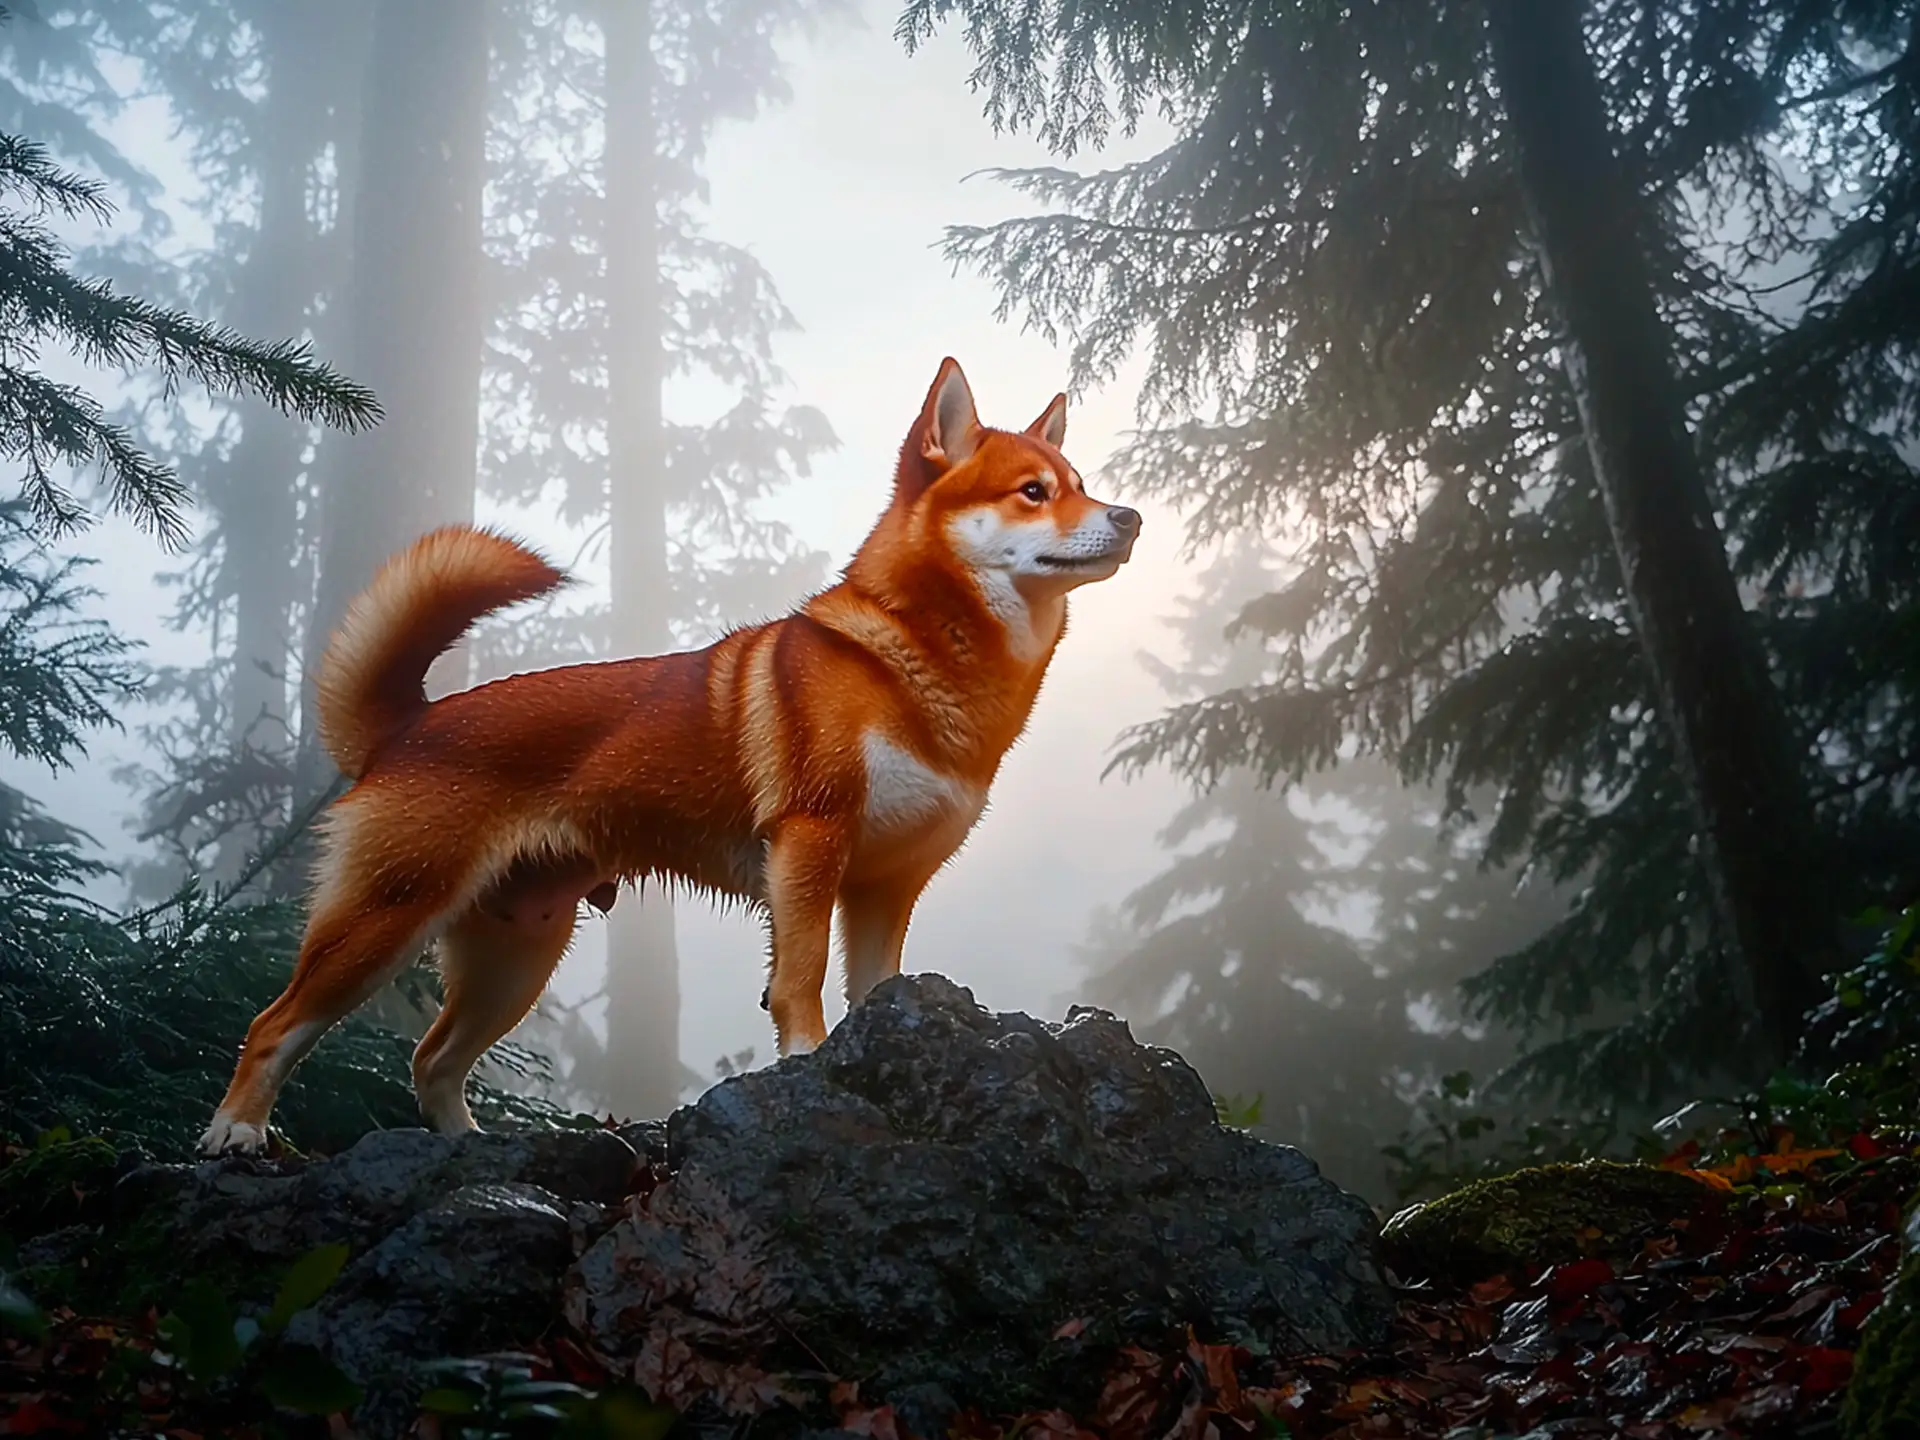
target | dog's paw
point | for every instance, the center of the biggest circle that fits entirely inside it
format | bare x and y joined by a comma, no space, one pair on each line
227,1136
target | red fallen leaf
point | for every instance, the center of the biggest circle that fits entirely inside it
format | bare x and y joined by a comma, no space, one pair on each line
1131,1397
35,1418
843,1394
1069,1329
1215,1364
576,1364
1863,1146
1824,1370
1682,1157
879,1422
1853,1316
1577,1279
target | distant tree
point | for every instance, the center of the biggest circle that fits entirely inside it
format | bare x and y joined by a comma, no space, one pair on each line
1350,338
266,96
414,316
615,294
1221,956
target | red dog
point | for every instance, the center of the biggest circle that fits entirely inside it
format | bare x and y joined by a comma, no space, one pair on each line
838,756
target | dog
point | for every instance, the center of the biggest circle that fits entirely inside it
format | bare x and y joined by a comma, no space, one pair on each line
837,757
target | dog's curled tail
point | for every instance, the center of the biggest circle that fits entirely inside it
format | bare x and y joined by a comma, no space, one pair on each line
419,603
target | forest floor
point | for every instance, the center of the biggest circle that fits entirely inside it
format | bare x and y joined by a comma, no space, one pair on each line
1740,1321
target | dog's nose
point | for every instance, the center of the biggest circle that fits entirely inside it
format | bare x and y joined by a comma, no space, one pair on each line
1126,521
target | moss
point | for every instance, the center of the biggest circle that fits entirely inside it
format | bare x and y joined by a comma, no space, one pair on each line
1883,1400
1546,1215
55,1186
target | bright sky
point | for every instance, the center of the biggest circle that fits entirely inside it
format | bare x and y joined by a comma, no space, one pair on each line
843,195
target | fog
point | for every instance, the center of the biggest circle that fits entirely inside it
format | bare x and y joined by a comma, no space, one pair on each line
842,194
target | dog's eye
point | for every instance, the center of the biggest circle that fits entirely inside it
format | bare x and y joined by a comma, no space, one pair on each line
1034,491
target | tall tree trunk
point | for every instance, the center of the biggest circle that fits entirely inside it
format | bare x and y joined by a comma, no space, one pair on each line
258,499
414,318
1735,747
643,963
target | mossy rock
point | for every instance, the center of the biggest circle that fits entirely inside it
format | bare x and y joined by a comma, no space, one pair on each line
1883,1400
56,1185
1547,1215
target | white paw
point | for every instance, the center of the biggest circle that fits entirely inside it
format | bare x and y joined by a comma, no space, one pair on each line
800,1045
227,1136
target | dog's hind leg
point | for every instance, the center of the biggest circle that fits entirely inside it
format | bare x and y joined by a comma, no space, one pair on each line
495,968
352,948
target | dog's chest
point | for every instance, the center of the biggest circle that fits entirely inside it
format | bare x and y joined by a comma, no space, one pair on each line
910,801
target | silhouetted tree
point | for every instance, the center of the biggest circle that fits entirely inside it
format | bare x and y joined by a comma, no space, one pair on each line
1221,955
1349,339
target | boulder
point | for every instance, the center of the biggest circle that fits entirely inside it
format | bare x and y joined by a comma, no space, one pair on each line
1545,1215
928,1199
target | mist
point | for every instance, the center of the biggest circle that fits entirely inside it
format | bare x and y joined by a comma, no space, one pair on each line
842,193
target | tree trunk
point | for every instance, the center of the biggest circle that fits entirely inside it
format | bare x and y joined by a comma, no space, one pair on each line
257,494
643,965
1733,742
414,322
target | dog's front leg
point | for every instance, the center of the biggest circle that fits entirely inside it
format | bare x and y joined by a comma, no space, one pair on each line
805,863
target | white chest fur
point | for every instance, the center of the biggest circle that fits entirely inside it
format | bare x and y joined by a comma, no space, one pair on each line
905,794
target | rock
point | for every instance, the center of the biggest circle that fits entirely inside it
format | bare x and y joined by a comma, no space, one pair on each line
476,1271
1545,1215
925,1200
1883,1398
243,1219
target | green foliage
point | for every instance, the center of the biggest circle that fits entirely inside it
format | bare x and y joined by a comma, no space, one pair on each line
45,424
1348,349
125,1025
499,1399
1236,1112
215,1346
545,397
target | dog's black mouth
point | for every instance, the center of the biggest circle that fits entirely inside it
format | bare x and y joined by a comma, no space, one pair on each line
1079,562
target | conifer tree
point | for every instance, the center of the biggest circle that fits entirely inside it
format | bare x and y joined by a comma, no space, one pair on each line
1351,340
609,247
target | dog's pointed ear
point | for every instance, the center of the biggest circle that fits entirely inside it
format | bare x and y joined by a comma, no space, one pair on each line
951,428
946,434
1052,424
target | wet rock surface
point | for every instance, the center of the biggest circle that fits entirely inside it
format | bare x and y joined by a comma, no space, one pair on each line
931,1196
952,1207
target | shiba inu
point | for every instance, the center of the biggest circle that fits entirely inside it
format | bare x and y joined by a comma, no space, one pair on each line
834,758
